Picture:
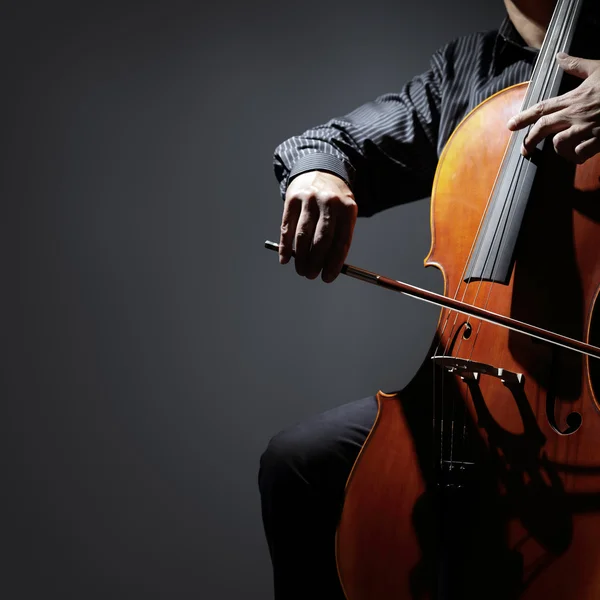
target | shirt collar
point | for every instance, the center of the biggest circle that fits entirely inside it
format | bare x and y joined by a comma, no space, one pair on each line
509,43
509,34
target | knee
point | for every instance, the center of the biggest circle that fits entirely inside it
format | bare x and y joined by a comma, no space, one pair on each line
319,452
283,457
308,456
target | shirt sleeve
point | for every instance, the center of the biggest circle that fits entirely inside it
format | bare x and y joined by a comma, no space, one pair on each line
386,150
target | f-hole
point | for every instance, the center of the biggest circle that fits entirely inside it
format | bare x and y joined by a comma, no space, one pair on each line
467,331
573,419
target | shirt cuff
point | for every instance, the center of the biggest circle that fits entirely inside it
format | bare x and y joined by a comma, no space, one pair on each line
320,161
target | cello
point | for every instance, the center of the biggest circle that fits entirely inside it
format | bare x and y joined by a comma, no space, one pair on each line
481,478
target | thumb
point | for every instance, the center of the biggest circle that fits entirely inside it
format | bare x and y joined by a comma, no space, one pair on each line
580,67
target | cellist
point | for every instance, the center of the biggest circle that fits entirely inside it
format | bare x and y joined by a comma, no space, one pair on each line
380,155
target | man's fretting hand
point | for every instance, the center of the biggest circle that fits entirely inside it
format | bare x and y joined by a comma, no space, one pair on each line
573,118
319,215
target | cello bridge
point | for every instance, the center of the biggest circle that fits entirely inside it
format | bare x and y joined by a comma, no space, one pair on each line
471,370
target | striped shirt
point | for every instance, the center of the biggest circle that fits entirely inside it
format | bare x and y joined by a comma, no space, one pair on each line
387,150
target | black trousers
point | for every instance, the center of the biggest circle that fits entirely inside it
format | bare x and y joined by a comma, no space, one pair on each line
302,477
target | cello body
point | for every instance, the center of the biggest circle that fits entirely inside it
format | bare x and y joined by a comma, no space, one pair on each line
484,482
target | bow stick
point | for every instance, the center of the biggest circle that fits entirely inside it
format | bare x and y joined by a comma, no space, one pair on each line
465,308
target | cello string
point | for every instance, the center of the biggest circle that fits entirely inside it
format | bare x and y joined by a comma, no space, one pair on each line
550,79
515,174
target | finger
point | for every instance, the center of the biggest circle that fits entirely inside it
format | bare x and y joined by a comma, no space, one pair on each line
587,149
289,221
547,125
322,241
304,234
334,261
566,142
580,67
539,110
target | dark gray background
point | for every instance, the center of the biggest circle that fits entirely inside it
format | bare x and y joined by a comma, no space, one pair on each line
150,345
